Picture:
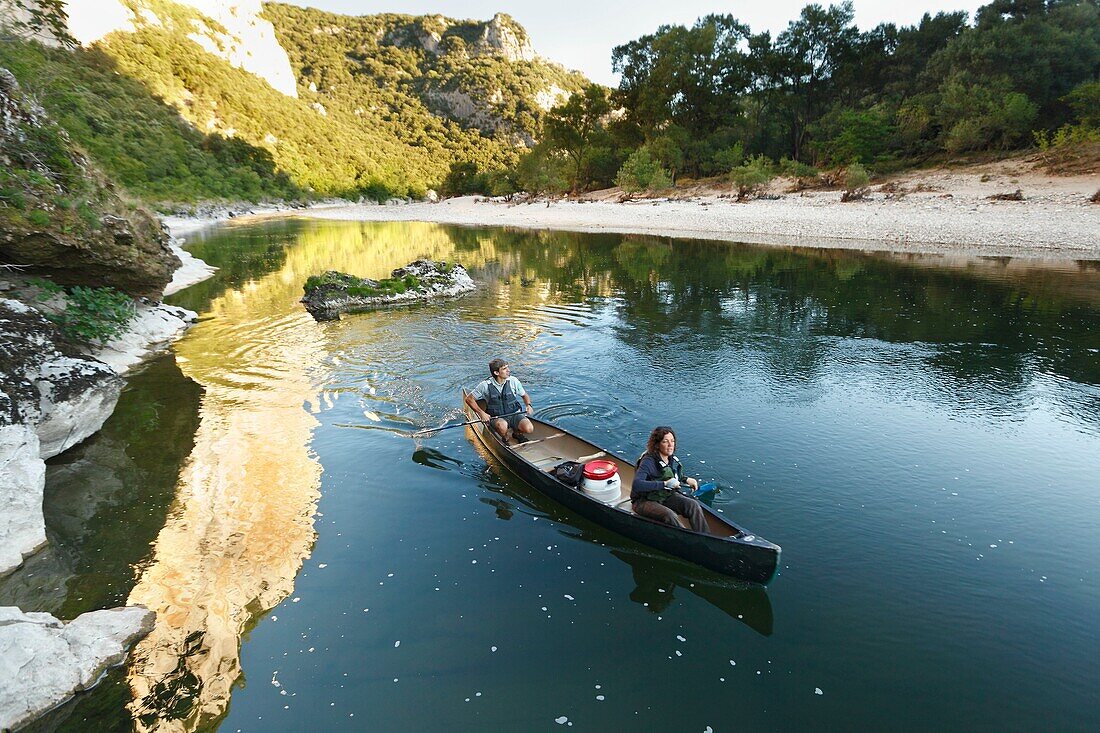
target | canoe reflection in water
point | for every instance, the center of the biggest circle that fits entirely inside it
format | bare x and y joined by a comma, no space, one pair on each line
656,577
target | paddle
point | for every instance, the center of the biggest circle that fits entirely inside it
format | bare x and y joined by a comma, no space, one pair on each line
705,493
425,431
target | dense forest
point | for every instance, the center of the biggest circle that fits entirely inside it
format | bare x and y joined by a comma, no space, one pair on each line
717,99
392,105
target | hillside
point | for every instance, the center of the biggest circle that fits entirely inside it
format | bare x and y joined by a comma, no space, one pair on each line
172,103
59,216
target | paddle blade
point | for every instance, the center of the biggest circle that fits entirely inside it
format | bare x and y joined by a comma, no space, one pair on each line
705,493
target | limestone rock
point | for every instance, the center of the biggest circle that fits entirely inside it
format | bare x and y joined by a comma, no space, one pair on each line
49,400
329,295
44,662
191,271
155,325
237,33
22,529
65,396
505,37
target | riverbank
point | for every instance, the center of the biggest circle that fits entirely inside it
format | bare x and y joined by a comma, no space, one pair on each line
956,211
1052,224
208,215
59,396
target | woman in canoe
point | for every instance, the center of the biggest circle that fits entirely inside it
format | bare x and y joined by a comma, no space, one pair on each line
655,492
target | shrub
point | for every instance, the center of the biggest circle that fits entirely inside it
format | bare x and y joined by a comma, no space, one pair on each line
94,314
856,179
848,135
39,218
464,178
728,159
1085,102
796,168
752,176
642,172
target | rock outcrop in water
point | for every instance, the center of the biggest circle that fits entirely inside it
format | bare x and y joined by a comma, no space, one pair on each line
44,661
333,293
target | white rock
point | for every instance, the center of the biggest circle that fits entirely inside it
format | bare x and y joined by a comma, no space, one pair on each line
77,397
192,270
22,478
153,327
44,662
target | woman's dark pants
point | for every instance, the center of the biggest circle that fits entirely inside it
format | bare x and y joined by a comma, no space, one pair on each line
673,505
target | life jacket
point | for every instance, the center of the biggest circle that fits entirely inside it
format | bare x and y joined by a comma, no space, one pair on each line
673,469
501,400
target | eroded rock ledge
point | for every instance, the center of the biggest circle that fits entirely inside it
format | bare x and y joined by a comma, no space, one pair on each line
44,662
333,293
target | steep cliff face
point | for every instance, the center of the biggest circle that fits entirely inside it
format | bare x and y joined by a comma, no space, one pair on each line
235,32
502,37
61,217
483,75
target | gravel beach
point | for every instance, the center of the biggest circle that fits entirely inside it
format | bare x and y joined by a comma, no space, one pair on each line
1054,224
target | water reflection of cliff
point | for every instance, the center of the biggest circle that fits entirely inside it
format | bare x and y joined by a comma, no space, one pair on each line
106,499
242,521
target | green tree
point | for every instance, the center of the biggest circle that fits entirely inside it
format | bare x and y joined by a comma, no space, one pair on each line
576,128
845,135
542,171
35,18
464,179
981,116
689,77
642,172
810,51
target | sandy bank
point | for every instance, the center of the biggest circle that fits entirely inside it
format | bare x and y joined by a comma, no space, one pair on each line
1054,224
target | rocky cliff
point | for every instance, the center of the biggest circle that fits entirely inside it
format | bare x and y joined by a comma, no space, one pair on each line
59,216
281,101
235,32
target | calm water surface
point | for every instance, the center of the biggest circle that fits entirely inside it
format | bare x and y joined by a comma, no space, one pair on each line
920,434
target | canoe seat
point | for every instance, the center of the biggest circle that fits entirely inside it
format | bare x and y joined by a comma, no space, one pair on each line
521,446
547,463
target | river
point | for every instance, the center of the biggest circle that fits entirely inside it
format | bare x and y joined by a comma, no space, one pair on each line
921,434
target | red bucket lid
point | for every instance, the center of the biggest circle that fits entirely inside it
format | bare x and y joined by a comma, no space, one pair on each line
599,470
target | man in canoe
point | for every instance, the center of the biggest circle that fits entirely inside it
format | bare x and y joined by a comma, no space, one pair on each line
502,394
655,492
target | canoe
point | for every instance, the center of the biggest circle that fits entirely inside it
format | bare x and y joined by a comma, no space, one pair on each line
724,548
657,575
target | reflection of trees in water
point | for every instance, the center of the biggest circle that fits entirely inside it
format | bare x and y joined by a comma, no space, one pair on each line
990,325
988,333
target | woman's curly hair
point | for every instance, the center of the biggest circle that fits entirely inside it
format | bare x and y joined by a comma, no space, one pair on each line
656,437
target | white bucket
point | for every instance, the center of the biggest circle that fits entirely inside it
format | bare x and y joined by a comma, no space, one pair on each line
606,490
